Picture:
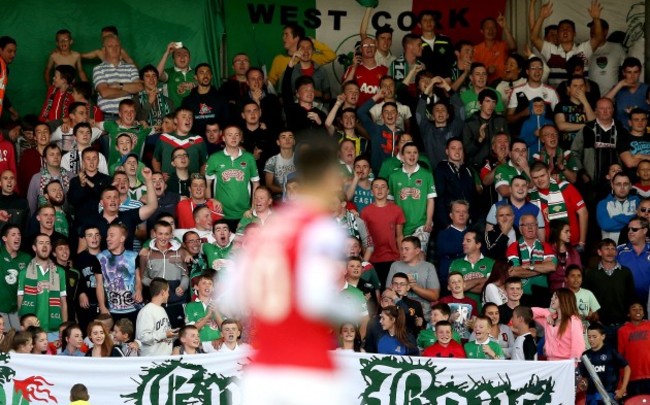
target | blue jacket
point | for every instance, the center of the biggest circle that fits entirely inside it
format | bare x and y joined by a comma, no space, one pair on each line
613,215
383,141
528,129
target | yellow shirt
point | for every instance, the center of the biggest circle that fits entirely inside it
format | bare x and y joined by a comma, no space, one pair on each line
323,54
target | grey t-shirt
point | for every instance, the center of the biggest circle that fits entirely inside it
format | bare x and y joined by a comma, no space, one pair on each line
425,275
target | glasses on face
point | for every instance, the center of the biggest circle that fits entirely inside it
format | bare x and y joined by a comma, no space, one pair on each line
644,210
368,46
403,284
193,241
634,229
181,155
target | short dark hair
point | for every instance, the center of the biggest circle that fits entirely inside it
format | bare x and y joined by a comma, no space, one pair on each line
110,28
296,30
385,29
68,73
485,93
414,240
628,62
533,60
567,22
550,28
83,88
572,78
486,19
445,309
203,64
8,227
303,81
442,323
82,125
426,12
400,274
62,32
597,326
513,280
157,286
148,68
5,40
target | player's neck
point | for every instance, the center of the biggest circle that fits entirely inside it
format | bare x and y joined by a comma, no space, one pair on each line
460,296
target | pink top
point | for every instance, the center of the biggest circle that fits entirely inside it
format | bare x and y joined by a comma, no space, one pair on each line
568,346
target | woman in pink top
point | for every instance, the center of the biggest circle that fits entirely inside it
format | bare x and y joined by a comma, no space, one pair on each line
563,328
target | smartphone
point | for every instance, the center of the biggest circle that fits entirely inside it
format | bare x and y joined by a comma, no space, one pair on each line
178,45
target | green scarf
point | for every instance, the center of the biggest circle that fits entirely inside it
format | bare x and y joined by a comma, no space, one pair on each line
158,110
526,257
554,200
30,294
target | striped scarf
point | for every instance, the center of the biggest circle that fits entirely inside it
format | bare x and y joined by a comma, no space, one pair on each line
530,257
158,110
31,292
554,200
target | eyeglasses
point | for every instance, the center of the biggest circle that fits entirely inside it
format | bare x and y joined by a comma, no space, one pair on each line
182,155
644,209
368,46
400,284
630,229
193,241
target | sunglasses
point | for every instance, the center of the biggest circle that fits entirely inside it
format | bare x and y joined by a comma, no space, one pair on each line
634,229
644,209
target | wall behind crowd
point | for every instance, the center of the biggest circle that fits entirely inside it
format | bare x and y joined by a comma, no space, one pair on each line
145,28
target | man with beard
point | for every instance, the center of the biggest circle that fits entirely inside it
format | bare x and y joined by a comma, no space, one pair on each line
13,208
41,288
12,263
205,102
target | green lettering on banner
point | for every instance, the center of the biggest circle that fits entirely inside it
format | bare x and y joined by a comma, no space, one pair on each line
186,384
401,381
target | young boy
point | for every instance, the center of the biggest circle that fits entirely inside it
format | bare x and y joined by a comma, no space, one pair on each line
123,333
633,342
126,123
439,313
514,291
525,347
369,274
72,160
64,55
190,341
79,395
59,95
607,362
124,146
203,314
463,309
231,330
131,166
353,277
445,346
483,347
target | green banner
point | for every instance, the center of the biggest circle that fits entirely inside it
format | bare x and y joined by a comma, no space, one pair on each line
145,28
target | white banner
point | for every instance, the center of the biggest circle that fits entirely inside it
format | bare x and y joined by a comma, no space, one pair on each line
214,379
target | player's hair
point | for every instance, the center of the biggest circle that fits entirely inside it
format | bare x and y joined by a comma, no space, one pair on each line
79,392
400,275
316,157
628,62
5,40
513,280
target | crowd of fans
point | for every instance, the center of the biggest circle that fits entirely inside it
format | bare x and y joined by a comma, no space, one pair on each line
496,203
